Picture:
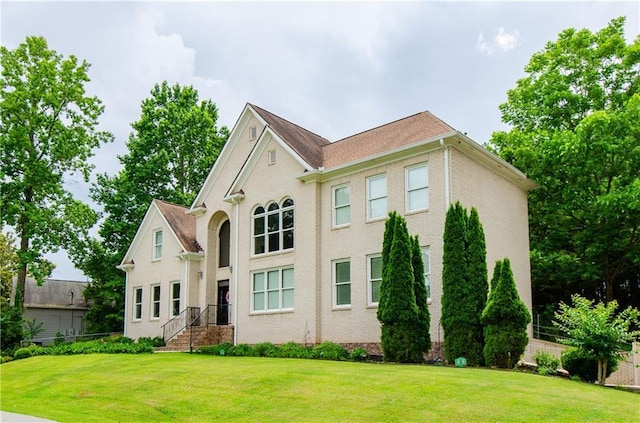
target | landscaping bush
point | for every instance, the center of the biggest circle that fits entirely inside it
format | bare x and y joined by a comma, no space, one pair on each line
22,353
221,349
243,350
294,350
330,351
59,339
581,364
266,349
547,363
358,354
154,342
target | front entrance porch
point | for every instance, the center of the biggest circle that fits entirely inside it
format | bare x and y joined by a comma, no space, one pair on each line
194,328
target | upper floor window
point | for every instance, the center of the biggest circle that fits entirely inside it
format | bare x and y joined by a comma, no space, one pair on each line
341,205
272,290
157,244
377,196
224,244
137,303
273,227
342,282
253,133
374,277
155,301
417,187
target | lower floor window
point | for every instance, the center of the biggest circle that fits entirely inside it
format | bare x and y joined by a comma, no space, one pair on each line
175,298
342,282
155,301
137,303
272,290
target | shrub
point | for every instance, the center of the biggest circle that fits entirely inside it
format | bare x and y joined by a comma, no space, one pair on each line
243,350
330,351
547,363
6,358
266,349
59,339
294,350
358,354
581,364
221,349
154,342
22,353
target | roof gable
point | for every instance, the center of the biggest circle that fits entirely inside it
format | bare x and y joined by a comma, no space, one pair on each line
305,143
180,224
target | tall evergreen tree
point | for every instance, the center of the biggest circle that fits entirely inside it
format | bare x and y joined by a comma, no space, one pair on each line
397,310
464,285
422,335
505,318
478,285
389,228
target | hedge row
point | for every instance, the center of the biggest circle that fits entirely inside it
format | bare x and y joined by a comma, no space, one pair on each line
325,351
111,345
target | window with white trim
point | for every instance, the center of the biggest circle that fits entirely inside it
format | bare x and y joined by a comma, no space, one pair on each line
426,260
417,187
342,283
253,133
374,278
137,303
272,157
157,244
272,290
155,301
341,205
377,196
175,298
273,227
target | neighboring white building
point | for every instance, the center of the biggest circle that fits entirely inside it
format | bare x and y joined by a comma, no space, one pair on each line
285,235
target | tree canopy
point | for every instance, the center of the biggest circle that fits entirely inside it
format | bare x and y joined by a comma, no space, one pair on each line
48,133
171,150
575,121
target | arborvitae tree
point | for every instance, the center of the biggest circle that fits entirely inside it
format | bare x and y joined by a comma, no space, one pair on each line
389,228
397,310
455,290
477,280
420,291
505,318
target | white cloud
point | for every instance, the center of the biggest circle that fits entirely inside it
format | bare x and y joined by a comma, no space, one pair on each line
502,41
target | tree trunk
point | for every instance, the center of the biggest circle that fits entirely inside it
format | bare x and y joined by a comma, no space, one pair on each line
602,371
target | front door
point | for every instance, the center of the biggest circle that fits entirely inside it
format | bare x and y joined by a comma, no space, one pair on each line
222,314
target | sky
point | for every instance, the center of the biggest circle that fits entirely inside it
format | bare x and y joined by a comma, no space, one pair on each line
335,68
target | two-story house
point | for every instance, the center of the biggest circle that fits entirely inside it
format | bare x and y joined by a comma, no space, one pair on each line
284,238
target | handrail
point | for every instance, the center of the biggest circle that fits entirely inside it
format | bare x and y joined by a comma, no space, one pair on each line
176,325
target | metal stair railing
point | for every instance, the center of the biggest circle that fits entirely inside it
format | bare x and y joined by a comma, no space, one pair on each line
180,322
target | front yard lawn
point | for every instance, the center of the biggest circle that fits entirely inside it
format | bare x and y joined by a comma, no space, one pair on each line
180,387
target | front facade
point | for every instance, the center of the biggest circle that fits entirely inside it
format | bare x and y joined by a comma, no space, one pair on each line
286,233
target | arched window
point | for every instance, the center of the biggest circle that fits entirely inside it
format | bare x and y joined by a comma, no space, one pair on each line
273,227
224,244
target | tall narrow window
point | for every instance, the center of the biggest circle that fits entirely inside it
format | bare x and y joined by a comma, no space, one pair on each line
273,227
377,196
375,278
137,303
157,244
253,133
272,290
224,244
342,282
175,298
426,259
341,205
417,188
155,301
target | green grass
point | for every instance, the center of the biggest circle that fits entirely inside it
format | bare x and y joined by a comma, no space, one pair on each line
198,388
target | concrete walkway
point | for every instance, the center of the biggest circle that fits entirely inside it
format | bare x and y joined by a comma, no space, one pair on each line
6,417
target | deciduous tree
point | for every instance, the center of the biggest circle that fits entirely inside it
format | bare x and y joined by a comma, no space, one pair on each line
48,132
575,121
597,330
170,153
